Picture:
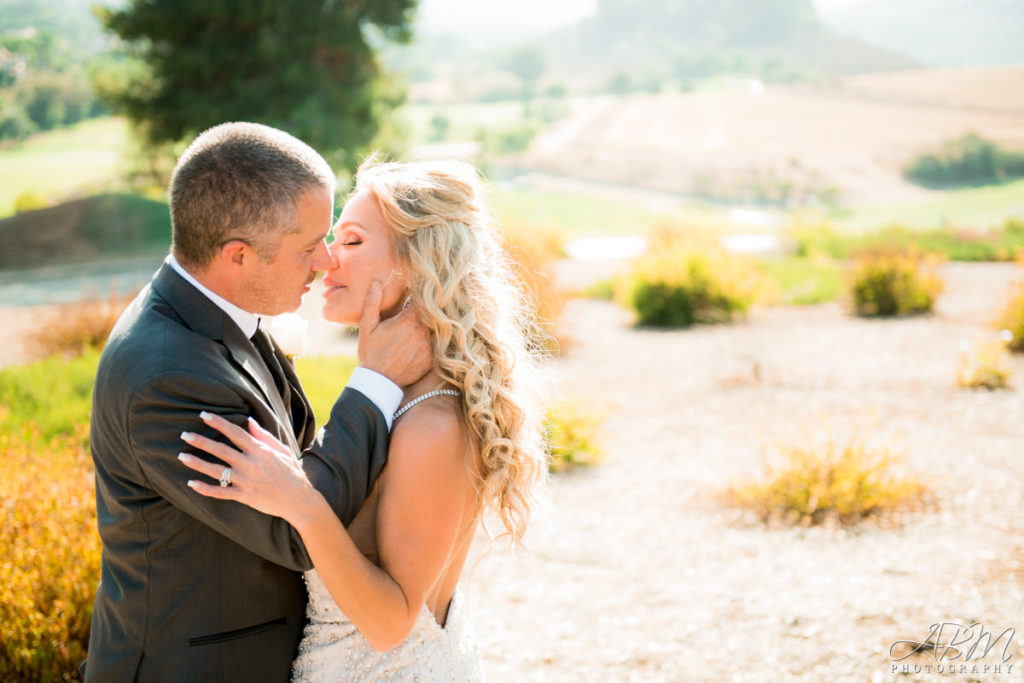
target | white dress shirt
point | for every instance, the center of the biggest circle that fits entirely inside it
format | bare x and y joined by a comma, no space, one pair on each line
384,393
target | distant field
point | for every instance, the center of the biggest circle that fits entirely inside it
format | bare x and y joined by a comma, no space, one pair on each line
855,135
572,215
83,158
578,213
993,87
464,120
981,207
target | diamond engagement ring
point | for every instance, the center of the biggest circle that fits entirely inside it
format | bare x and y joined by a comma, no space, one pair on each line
225,477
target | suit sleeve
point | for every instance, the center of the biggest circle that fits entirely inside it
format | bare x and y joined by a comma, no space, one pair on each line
348,454
170,404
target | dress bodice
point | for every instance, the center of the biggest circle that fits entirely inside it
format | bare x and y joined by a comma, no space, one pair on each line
332,649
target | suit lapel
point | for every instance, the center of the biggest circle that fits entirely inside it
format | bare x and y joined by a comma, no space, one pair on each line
248,359
207,319
302,411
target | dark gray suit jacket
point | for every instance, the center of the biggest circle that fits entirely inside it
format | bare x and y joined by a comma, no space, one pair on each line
194,588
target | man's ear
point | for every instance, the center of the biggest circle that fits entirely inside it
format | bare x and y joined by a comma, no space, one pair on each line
235,253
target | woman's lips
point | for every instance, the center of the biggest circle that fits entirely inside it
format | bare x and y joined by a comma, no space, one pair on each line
331,288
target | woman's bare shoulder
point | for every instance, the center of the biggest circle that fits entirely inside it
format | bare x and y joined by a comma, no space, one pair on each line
432,431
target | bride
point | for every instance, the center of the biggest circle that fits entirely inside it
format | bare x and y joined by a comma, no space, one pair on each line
384,601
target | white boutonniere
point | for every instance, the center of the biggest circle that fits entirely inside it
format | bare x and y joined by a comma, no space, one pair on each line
289,331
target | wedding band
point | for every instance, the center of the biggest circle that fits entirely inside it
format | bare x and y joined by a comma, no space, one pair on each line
225,477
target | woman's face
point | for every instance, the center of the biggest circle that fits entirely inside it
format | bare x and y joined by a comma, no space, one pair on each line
362,251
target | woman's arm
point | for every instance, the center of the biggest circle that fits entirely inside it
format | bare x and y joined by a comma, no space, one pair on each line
425,492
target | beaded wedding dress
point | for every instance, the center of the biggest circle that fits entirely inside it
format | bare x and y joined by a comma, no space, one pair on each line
333,650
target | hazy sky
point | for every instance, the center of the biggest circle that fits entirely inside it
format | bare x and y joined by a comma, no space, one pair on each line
458,15
463,16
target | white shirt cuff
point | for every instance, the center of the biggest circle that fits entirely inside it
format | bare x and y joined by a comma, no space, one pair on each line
384,393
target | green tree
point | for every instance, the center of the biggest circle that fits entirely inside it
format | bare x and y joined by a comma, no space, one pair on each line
306,66
528,64
439,125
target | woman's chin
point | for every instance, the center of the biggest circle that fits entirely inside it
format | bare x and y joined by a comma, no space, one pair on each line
334,316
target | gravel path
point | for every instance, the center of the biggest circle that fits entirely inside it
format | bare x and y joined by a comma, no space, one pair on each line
639,574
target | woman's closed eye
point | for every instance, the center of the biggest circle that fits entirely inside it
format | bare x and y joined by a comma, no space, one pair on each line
351,242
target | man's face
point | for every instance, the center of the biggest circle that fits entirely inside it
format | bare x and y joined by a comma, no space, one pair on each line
277,286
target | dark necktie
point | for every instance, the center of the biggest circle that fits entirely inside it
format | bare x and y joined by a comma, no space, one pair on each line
261,340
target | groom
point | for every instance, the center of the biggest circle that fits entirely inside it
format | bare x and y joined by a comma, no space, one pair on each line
193,588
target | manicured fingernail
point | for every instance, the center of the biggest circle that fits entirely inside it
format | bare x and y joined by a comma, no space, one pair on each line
184,457
191,483
205,415
187,436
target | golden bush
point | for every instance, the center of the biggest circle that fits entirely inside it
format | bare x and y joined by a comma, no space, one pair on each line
987,366
51,562
30,200
687,277
571,433
848,483
70,329
534,252
894,281
1011,319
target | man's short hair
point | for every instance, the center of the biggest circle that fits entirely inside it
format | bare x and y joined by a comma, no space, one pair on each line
240,181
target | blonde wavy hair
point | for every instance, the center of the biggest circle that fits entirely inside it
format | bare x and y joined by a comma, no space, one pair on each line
464,292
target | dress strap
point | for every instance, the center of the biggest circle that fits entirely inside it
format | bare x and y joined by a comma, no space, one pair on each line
436,392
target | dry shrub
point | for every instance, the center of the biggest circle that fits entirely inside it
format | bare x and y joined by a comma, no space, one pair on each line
571,436
534,252
987,366
1011,318
51,562
687,277
897,281
70,329
827,482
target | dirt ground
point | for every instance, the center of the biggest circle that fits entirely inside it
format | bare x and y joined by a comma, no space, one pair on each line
855,134
639,575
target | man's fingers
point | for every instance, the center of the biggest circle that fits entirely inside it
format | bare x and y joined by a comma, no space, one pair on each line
235,434
371,307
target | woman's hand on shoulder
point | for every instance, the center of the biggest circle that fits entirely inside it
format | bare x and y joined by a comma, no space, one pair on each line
264,473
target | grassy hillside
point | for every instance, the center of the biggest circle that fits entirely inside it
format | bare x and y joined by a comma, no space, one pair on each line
84,230
976,207
652,41
76,160
856,134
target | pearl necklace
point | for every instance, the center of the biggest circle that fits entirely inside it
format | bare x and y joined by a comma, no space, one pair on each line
437,392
